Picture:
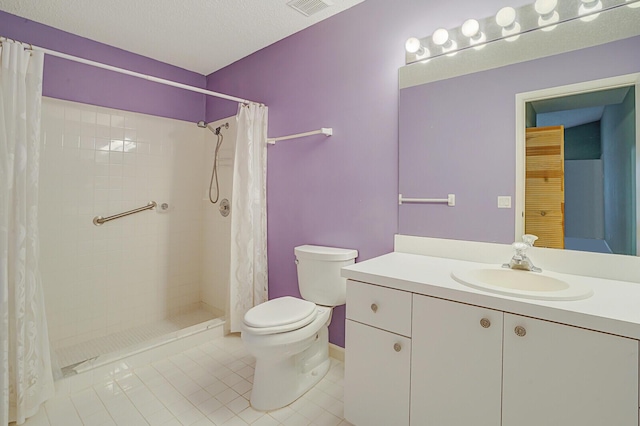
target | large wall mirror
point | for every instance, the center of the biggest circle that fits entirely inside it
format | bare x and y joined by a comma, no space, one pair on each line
463,130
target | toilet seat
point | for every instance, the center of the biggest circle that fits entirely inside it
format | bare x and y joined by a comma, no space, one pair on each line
279,315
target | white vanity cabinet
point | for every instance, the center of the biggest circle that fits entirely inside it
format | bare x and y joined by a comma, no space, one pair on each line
471,365
456,373
378,355
555,374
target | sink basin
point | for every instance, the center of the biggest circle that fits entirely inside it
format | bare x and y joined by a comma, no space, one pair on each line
518,283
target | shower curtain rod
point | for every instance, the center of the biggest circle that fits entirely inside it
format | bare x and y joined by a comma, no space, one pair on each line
134,74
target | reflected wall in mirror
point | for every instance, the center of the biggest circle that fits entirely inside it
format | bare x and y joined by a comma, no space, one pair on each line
457,133
580,167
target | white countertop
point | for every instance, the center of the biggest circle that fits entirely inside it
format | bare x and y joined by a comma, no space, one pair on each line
614,307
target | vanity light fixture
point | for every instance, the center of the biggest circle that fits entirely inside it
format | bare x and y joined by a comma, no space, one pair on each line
548,14
471,29
588,7
413,45
506,18
441,38
508,25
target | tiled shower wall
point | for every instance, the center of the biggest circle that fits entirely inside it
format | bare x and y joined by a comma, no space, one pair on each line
217,228
131,271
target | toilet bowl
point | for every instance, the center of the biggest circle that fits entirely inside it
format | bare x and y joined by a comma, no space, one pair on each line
290,363
288,336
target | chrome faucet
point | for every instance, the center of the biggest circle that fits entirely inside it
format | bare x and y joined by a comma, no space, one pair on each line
520,259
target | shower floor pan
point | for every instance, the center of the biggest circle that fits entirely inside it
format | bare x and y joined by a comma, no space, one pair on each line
96,352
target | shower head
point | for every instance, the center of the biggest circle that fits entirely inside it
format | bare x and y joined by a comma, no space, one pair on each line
203,124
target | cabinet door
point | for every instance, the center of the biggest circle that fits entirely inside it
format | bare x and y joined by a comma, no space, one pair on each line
560,375
376,377
456,369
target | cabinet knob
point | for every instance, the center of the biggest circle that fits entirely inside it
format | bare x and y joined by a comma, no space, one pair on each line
520,331
374,308
397,347
485,323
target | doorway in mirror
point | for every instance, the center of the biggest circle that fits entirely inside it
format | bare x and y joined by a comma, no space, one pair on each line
579,172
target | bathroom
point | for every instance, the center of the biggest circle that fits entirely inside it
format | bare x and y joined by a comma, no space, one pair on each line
340,191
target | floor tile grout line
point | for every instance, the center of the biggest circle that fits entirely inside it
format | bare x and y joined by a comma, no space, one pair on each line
99,399
154,394
186,397
324,401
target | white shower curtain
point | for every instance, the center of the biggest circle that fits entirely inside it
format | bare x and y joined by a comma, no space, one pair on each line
26,379
248,270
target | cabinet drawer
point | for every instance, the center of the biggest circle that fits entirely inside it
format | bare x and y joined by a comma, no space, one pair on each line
379,307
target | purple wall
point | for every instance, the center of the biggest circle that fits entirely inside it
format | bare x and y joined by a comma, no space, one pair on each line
68,80
458,136
342,73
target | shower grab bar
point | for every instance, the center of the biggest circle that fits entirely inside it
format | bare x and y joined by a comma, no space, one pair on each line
99,220
450,200
327,131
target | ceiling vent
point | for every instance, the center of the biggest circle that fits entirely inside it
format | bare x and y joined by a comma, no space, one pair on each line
310,7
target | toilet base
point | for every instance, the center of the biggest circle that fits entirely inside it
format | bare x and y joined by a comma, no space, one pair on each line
279,382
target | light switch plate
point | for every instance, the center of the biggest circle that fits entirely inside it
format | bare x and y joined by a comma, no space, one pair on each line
504,202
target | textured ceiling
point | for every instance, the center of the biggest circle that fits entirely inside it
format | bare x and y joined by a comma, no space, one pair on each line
198,35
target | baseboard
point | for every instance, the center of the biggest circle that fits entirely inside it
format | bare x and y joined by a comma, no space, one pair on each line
336,352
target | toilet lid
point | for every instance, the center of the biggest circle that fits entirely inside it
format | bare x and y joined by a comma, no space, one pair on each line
281,311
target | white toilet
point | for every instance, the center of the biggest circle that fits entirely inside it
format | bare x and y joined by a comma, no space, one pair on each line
289,337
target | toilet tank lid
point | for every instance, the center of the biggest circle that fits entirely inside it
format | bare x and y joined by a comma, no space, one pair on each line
324,253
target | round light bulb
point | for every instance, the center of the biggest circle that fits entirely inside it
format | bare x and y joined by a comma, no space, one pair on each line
451,47
589,7
506,16
511,34
423,53
545,7
470,28
412,45
546,21
440,36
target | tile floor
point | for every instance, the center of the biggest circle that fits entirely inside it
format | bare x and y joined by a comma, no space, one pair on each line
207,385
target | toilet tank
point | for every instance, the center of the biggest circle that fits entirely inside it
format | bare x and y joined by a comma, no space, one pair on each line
319,277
